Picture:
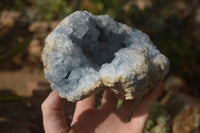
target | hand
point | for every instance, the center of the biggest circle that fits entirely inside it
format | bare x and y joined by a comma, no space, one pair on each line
107,119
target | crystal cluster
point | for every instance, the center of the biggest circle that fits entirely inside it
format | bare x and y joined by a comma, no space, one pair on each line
86,54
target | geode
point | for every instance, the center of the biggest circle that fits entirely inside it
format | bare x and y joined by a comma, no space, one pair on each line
86,54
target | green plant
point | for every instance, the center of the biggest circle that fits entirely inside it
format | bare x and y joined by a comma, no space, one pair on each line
159,120
51,9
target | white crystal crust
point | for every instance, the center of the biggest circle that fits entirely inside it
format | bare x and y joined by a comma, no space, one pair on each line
86,54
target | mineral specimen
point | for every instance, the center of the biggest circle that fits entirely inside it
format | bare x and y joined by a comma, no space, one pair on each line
86,54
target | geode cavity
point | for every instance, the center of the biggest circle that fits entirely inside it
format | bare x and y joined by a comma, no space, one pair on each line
86,54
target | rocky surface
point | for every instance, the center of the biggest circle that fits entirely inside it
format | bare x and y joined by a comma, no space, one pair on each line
87,54
185,111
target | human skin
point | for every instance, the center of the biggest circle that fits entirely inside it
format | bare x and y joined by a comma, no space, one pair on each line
129,118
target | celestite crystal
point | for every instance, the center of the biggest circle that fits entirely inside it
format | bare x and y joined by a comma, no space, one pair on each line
86,54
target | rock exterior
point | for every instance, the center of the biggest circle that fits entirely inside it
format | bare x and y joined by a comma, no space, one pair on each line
86,54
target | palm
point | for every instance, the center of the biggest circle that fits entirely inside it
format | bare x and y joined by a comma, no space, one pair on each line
99,122
107,119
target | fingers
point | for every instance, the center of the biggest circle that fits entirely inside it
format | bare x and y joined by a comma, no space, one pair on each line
109,101
144,109
127,108
81,106
53,115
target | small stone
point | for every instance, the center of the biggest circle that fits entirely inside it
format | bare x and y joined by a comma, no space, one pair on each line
185,110
86,54
174,83
8,18
35,48
38,27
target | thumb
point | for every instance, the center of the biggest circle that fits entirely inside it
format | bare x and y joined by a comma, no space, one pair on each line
53,115
143,110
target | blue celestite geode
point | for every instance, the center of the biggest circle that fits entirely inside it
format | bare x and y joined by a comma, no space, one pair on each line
86,54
